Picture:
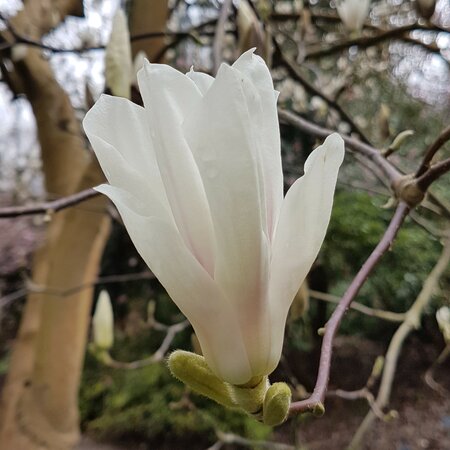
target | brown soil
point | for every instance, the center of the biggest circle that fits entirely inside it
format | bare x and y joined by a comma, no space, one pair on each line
423,415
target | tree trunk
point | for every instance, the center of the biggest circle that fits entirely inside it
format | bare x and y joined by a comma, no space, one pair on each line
148,17
38,408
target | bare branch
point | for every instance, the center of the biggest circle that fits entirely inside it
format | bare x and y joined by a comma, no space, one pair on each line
429,374
412,322
295,73
375,39
230,438
444,136
171,332
356,145
315,402
433,173
48,290
372,312
177,35
48,207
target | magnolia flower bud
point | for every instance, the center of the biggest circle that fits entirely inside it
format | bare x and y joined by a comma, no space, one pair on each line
118,63
196,176
353,13
103,322
443,320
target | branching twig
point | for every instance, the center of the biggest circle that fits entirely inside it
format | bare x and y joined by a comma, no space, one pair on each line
412,322
375,39
177,35
315,402
443,137
356,145
372,312
171,332
429,374
230,438
433,173
362,393
48,207
47,290
295,73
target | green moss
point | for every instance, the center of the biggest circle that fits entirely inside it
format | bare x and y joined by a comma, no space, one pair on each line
150,404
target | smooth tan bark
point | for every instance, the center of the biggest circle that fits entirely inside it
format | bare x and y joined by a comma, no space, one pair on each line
38,407
148,17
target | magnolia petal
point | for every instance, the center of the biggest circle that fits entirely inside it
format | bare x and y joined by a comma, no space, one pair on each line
189,285
203,81
267,131
304,219
218,133
118,132
169,96
301,229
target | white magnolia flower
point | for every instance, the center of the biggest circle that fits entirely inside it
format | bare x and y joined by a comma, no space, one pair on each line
103,322
353,13
196,176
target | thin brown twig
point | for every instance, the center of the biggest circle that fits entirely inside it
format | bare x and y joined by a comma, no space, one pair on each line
157,356
444,136
48,207
372,312
391,172
362,393
356,145
380,37
433,173
411,323
429,374
178,35
231,438
48,290
315,402
295,73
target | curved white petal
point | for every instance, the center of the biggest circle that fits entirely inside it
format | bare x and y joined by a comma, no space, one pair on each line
119,134
304,219
189,286
169,97
203,81
219,133
267,132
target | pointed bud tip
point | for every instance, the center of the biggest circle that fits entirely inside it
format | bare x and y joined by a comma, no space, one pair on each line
103,322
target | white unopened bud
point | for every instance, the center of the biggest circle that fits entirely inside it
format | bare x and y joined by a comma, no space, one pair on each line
353,13
443,320
103,322
118,63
